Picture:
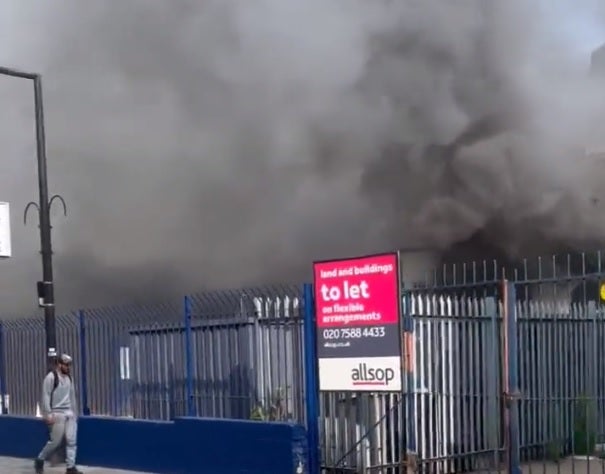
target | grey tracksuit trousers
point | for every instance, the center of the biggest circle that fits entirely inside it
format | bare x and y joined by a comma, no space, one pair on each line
60,402
65,425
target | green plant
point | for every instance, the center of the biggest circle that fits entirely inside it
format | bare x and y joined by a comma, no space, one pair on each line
276,409
585,429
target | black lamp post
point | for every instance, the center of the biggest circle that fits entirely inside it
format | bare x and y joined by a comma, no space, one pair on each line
45,288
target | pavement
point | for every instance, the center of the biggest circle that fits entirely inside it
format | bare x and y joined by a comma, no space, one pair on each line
565,466
26,466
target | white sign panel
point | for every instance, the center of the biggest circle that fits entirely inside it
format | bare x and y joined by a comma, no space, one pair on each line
5,231
374,374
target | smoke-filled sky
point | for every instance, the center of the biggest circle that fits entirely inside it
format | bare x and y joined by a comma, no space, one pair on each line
227,142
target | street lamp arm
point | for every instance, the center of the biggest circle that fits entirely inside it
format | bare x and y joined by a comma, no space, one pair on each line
6,71
60,198
29,204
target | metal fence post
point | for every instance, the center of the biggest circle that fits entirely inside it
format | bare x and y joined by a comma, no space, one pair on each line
409,392
311,382
511,378
83,363
188,356
2,372
493,379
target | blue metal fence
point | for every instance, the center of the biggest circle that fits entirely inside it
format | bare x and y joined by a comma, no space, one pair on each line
228,354
24,354
490,374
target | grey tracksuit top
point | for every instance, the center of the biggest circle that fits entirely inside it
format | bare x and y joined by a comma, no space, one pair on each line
63,398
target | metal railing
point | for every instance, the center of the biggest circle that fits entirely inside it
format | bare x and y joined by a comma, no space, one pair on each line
452,416
227,354
241,354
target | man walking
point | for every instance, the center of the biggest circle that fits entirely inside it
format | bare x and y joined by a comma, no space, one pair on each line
59,411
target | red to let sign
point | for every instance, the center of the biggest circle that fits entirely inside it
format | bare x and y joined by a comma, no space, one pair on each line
360,291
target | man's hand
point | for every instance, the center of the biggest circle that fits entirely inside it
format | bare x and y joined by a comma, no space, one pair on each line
49,419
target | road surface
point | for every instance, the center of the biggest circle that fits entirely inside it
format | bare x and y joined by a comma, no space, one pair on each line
26,466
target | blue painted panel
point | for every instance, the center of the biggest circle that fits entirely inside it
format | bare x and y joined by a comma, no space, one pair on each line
22,437
185,446
127,444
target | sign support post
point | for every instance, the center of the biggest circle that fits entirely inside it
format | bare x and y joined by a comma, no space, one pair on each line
311,388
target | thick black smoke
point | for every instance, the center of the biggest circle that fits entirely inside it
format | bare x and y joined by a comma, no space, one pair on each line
227,142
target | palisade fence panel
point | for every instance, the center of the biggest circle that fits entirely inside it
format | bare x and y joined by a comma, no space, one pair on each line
25,359
133,358
457,388
246,347
561,373
450,410
248,354
155,377
361,430
24,355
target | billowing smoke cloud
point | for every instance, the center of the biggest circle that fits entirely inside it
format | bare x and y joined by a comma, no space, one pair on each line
226,142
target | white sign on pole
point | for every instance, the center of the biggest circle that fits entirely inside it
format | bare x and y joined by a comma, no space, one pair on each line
5,230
